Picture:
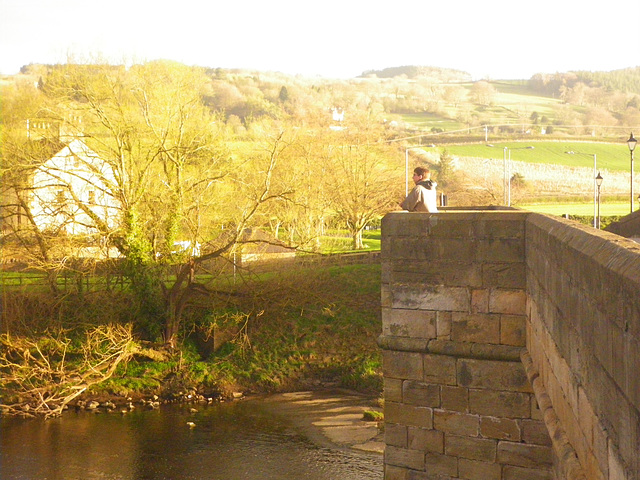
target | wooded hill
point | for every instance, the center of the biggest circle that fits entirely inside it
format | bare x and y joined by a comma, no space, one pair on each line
423,98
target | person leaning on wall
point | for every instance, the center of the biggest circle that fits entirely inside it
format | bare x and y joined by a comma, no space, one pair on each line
423,196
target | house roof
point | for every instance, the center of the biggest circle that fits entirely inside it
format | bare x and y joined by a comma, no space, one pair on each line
254,240
38,151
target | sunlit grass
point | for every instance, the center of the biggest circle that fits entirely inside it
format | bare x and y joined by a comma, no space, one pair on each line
341,242
610,156
606,209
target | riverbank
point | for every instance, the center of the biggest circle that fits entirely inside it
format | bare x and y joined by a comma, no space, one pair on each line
291,330
331,418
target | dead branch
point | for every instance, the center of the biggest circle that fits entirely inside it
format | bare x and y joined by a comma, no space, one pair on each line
40,377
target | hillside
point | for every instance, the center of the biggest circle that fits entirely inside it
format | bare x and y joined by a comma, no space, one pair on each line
414,72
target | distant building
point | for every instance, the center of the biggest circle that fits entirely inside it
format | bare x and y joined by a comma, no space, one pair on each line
337,114
256,245
70,190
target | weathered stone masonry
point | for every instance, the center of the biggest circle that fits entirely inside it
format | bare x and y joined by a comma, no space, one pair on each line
487,315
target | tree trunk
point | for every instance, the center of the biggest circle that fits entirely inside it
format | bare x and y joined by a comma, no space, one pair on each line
356,238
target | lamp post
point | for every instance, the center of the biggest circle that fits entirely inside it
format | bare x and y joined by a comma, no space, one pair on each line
632,146
599,183
504,175
595,181
506,171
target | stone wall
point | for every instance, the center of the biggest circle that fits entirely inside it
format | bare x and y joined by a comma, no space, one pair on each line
458,403
584,340
463,293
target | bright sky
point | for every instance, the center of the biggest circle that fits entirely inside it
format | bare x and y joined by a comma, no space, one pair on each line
498,39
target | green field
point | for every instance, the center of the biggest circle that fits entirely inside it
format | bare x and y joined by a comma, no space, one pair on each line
582,209
610,156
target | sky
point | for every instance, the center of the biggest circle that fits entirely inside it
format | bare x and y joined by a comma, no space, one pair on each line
490,39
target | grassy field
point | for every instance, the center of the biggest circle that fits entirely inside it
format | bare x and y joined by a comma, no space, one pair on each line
606,209
340,242
610,156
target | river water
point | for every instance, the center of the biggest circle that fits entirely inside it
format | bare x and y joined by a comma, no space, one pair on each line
239,440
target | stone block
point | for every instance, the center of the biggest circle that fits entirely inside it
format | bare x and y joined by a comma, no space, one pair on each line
523,455
512,302
480,300
396,435
437,465
500,428
408,415
463,250
403,365
439,369
392,472
492,374
513,330
431,297
403,457
510,472
443,325
535,432
409,323
475,327
456,423
454,398
503,250
616,468
386,296
436,271
600,447
474,470
497,225
420,393
452,228
504,275
481,449
426,440
393,389
496,403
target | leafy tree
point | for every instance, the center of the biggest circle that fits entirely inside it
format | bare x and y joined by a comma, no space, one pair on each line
360,177
482,93
168,172
284,94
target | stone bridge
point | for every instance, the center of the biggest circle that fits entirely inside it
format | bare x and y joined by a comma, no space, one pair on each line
511,348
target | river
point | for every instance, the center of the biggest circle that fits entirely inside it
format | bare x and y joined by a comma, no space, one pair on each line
292,436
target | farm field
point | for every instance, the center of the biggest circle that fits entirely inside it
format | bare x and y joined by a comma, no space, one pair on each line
581,209
609,156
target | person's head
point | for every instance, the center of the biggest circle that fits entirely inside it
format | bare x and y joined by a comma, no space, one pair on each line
420,174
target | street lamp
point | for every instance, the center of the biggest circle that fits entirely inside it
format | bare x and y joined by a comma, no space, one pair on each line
599,184
507,170
595,182
632,146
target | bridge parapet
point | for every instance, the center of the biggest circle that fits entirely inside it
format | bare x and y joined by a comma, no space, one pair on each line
456,312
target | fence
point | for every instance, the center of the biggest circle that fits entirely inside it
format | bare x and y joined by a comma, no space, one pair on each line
107,280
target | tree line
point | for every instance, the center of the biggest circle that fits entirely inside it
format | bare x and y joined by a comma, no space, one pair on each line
199,156
191,159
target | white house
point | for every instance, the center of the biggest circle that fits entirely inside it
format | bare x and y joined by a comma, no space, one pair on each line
68,186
